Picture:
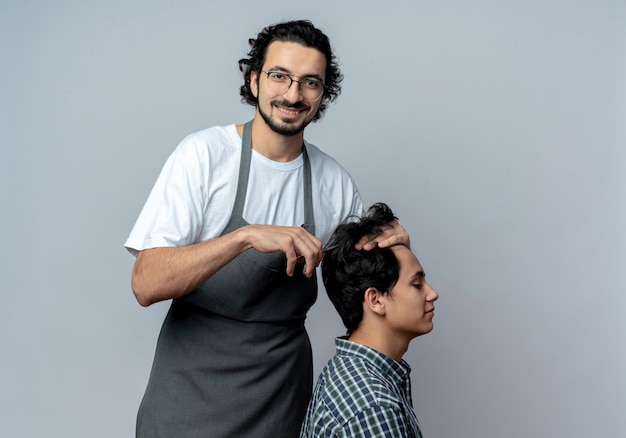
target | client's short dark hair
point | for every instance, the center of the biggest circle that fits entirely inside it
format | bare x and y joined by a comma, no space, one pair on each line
347,272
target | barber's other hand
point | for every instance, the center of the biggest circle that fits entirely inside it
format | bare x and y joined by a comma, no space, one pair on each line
392,234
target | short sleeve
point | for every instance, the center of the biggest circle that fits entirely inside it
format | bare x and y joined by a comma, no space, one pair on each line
173,212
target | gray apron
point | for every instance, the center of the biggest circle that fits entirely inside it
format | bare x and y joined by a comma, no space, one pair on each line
233,357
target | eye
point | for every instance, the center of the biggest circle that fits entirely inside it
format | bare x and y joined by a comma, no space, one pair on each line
312,84
277,76
418,286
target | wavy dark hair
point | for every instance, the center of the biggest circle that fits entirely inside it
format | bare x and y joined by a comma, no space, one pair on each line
301,32
347,272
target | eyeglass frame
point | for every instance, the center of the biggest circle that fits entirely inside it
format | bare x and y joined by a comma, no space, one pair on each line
292,80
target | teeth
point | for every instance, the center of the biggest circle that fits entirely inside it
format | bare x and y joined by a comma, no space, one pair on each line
288,111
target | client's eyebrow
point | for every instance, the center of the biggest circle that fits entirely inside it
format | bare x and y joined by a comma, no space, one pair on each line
419,275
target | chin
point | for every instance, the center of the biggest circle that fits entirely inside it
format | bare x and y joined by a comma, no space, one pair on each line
288,128
424,330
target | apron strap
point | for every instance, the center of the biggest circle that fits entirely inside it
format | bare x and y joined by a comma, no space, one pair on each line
309,221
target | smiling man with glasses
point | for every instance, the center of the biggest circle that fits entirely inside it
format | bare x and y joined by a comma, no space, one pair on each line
232,233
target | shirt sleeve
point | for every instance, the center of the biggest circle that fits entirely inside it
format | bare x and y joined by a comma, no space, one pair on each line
377,422
173,213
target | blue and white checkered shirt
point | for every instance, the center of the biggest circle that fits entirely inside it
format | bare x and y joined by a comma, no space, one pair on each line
361,393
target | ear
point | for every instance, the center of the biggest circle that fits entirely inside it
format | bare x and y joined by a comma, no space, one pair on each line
374,302
254,83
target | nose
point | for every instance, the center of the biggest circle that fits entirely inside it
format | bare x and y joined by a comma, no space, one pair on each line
293,93
431,294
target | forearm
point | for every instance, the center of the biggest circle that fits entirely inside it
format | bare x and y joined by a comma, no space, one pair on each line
171,272
163,273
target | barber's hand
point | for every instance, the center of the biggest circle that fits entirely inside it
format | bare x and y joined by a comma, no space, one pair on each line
393,234
298,244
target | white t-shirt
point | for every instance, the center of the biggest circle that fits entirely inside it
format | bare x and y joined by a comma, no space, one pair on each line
193,197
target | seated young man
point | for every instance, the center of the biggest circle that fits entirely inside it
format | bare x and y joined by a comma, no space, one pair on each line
384,302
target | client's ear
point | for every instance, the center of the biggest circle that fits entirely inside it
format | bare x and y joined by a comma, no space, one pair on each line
373,301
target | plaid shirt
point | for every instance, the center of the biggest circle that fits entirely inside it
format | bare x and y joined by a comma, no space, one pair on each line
361,393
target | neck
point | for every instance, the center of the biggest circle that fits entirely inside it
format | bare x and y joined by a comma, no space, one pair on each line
390,345
272,145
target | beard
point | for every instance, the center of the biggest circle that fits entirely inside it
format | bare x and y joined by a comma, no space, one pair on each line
287,128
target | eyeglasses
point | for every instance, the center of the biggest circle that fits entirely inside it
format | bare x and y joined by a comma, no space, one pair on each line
278,82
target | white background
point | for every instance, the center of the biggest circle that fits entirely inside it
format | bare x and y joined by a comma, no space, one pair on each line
494,129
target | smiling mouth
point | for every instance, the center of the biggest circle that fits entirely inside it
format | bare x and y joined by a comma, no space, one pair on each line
288,109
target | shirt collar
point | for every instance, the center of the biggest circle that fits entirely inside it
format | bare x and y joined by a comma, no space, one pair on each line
398,371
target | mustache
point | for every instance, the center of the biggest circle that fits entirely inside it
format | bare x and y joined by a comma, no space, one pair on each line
286,104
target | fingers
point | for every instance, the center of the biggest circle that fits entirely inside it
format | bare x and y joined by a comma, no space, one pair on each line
308,253
393,234
301,248
362,243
